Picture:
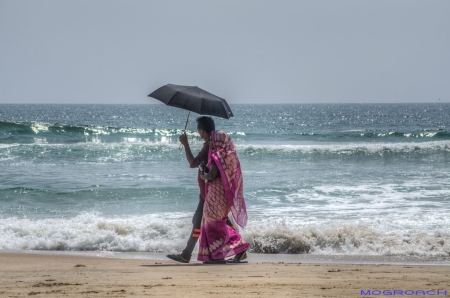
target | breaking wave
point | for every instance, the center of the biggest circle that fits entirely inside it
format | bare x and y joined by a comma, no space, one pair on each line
168,233
57,133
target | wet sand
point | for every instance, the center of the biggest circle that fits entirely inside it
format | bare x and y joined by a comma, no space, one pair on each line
66,275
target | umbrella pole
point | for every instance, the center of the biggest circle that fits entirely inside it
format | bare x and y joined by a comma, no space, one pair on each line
181,146
186,122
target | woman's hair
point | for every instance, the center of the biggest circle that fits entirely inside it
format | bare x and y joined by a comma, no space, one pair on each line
206,123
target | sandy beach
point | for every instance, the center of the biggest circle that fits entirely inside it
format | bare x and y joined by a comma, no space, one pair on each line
59,275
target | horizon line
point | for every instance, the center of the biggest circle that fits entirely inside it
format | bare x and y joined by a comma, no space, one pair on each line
282,103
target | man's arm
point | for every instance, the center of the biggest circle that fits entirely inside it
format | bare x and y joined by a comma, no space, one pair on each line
187,148
201,156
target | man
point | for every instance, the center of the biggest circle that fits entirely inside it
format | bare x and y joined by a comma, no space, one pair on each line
205,125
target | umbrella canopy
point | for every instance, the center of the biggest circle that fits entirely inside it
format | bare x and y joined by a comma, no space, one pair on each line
194,99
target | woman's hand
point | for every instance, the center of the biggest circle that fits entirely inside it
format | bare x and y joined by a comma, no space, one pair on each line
213,172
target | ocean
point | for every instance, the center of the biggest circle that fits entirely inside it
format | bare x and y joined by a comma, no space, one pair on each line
319,179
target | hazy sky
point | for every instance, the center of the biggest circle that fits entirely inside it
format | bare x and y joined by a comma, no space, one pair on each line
108,51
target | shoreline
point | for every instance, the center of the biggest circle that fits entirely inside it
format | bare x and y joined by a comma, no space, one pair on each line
88,275
258,258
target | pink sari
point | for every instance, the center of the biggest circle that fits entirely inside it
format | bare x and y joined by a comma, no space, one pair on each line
224,194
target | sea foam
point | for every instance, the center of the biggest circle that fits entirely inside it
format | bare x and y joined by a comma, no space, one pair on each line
169,232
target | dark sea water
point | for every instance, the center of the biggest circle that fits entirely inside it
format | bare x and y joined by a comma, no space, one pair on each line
350,179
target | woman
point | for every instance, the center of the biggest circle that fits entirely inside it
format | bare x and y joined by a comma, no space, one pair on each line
224,193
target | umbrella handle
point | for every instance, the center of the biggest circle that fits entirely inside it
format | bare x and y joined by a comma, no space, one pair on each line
181,145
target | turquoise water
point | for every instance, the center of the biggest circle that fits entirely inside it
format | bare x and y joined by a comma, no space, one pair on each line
321,179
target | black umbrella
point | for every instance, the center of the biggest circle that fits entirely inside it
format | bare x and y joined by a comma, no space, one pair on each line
193,99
